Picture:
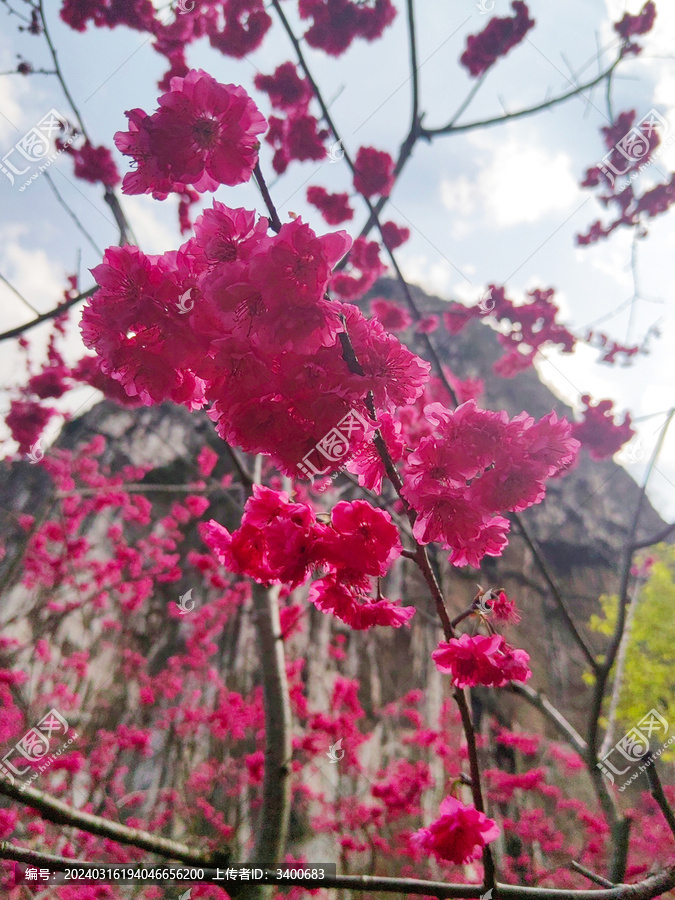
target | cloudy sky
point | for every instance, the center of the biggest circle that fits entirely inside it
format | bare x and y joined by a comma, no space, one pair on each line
496,205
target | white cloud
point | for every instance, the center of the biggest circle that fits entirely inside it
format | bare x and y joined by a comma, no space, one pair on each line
155,223
40,280
519,183
11,115
433,277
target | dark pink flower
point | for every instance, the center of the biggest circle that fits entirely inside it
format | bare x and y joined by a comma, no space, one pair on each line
95,164
334,208
505,610
361,538
373,172
640,24
346,602
394,374
598,432
481,660
390,315
460,833
498,37
285,88
394,235
365,259
427,325
134,325
475,464
298,136
27,420
204,134
246,24
337,22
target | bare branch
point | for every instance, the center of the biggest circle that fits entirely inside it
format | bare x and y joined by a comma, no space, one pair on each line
73,216
61,814
555,591
655,539
275,809
45,317
658,793
275,221
597,879
554,716
17,294
414,68
452,128
604,672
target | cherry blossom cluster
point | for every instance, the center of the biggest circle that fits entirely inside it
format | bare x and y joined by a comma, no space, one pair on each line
529,326
499,36
481,660
599,433
632,146
255,336
298,134
279,541
204,134
473,466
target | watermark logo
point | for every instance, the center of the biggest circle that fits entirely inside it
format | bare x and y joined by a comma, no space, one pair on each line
336,153
35,454
486,304
634,452
185,6
487,895
335,752
185,603
635,145
185,305
484,7
633,746
34,747
37,147
186,895
334,446
484,602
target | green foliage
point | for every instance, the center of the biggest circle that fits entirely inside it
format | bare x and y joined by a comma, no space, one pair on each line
649,675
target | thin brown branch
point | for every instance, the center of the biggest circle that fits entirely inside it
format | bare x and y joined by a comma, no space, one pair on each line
110,197
610,657
655,539
553,715
45,317
421,557
658,793
73,216
61,814
555,591
275,808
431,350
275,221
414,68
18,294
597,879
452,128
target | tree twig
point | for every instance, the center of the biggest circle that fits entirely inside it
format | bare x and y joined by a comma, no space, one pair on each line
555,591
61,814
45,317
658,793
